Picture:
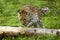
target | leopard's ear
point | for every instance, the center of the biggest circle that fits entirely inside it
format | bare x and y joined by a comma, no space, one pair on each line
45,9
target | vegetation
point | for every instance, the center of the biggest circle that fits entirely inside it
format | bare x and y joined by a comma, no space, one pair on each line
8,16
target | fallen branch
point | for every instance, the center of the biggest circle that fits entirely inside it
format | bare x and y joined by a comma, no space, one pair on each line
15,31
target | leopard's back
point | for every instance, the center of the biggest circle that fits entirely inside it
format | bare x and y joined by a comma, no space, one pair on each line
27,14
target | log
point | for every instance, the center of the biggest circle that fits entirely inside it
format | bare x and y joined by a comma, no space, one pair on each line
15,31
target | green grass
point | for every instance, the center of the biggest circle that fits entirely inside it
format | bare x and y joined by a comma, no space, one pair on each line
52,22
38,37
8,17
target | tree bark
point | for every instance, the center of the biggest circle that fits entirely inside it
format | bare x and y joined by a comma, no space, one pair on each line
16,31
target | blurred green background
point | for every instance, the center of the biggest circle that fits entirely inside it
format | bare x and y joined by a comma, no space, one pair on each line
9,10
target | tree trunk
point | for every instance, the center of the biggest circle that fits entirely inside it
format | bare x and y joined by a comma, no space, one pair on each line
15,31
